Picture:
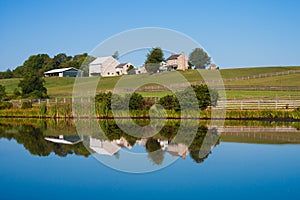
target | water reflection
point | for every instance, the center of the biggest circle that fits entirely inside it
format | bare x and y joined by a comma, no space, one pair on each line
42,138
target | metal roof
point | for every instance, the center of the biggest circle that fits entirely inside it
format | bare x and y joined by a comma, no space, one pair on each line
59,70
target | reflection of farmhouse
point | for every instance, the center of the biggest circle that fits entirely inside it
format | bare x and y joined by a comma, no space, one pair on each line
106,147
64,72
173,148
107,66
178,150
67,139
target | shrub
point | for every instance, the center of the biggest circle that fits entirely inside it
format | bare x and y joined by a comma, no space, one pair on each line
5,105
43,109
26,104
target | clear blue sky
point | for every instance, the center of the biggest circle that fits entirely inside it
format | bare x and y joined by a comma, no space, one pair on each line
235,33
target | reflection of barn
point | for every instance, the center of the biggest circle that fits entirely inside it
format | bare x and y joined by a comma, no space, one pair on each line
67,139
103,147
64,72
178,150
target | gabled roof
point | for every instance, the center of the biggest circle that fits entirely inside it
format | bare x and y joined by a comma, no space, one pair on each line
59,70
100,60
173,56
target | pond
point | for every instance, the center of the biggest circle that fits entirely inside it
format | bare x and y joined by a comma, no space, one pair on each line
47,159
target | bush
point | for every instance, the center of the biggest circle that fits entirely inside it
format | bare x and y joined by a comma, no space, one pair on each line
26,104
43,109
5,105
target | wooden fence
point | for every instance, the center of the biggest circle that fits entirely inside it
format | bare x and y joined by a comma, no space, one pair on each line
229,104
258,104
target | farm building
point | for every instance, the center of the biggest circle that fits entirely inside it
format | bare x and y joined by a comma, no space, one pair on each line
64,72
107,66
103,66
122,68
178,62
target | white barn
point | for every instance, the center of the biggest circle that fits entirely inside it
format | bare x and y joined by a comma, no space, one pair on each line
108,66
103,66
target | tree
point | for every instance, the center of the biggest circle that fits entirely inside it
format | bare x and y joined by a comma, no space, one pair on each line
7,74
199,58
206,97
32,84
136,101
170,102
154,58
131,70
35,63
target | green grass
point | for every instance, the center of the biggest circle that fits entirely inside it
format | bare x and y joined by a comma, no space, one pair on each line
284,80
238,72
245,94
63,87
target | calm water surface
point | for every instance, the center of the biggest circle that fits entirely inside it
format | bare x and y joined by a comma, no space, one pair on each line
246,161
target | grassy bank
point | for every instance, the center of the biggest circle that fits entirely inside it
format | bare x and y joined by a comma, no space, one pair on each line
64,111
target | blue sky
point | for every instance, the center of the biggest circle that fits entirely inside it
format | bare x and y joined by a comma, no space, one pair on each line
235,33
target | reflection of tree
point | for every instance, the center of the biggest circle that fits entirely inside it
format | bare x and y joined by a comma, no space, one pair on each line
155,153
202,144
33,140
195,156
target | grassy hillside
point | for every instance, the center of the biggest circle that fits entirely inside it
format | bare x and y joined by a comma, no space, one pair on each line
64,86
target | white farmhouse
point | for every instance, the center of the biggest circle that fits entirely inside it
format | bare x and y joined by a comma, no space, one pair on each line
122,68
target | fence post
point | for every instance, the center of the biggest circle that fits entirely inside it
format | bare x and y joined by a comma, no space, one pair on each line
241,104
294,104
258,104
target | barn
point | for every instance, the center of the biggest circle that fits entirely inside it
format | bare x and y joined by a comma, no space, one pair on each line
64,72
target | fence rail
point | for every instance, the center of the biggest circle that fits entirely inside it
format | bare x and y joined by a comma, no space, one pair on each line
258,104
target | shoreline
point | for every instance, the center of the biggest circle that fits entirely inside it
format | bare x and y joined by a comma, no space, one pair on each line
262,119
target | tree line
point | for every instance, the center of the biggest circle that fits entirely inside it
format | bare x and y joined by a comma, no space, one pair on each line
205,97
40,63
198,59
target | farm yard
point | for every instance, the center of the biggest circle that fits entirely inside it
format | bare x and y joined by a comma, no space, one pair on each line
246,88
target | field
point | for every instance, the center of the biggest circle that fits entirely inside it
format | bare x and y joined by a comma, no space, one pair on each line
63,87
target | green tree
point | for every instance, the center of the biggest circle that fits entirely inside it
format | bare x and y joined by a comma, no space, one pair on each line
35,63
154,58
206,97
136,101
199,58
33,84
170,102
131,70
7,74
